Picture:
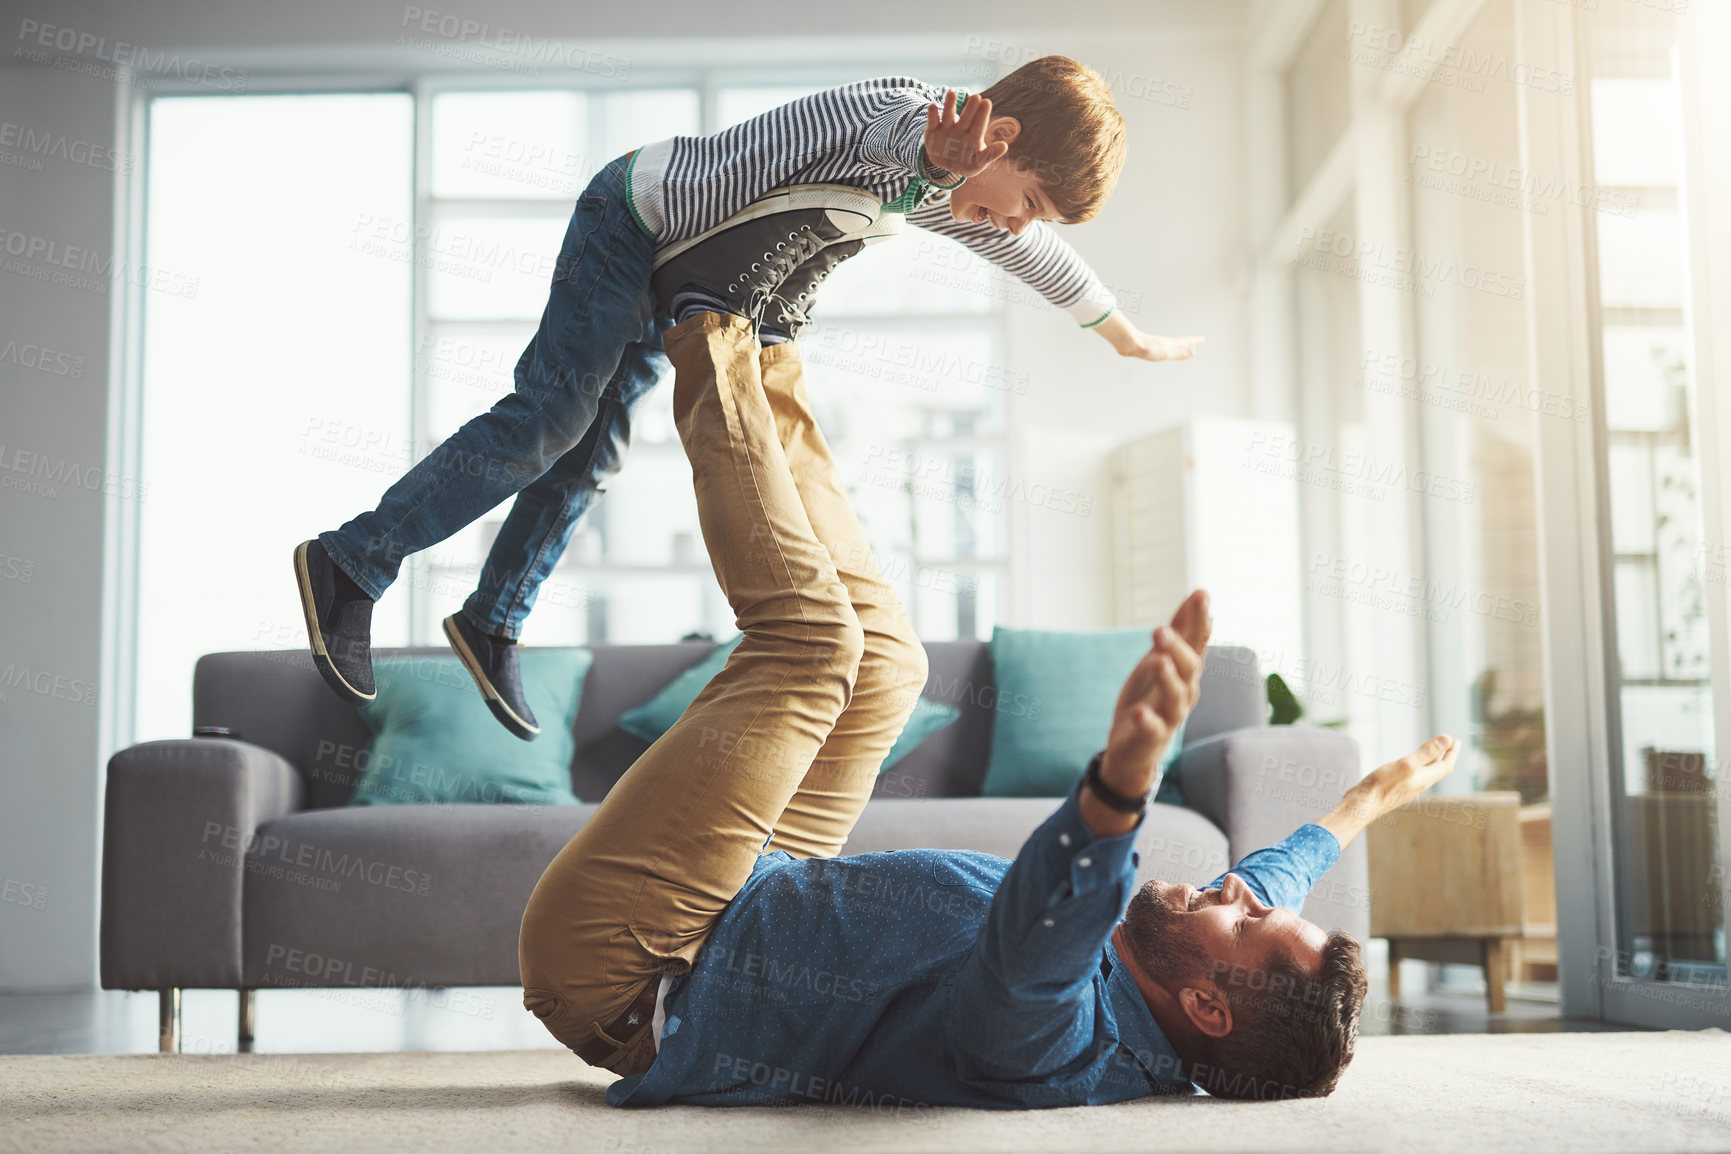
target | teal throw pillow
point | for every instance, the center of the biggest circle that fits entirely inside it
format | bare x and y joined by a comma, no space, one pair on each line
1055,695
657,715
927,718
434,739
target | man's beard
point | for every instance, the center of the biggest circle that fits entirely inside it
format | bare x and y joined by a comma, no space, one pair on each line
1163,945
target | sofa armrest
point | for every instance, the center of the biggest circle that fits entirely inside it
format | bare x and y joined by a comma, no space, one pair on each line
1259,784
178,816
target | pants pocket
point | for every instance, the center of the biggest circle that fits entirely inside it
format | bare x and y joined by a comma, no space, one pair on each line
556,1014
588,219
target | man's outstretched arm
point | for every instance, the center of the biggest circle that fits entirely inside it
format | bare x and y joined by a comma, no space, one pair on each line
1283,873
1388,787
1023,1007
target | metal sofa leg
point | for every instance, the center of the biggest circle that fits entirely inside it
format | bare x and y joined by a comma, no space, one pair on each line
248,1013
168,1020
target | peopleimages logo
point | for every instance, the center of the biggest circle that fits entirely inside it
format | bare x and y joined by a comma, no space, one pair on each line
1363,474
28,143
1441,61
1531,189
43,258
1401,268
39,473
38,40
447,34
44,360
45,683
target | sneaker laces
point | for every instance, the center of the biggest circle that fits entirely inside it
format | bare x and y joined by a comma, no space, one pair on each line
793,308
776,266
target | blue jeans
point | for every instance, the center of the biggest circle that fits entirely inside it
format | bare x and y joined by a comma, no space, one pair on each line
552,441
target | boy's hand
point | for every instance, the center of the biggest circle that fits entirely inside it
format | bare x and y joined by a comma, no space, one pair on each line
1132,342
1156,348
958,143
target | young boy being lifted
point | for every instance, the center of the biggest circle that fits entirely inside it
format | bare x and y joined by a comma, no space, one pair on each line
746,223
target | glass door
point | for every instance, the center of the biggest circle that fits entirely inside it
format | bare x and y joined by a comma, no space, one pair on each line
1664,962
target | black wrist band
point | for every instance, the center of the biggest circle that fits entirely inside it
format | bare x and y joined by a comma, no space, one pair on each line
1110,797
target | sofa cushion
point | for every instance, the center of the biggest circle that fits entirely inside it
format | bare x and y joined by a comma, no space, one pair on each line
434,740
657,715
400,895
1062,688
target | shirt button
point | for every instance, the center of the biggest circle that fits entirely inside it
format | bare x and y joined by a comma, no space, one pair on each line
1050,922
1063,839
1084,862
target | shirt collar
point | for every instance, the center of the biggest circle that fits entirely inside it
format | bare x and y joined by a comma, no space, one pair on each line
1137,1030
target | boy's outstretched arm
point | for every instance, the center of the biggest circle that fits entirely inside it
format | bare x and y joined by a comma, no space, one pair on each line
1047,264
1131,342
956,145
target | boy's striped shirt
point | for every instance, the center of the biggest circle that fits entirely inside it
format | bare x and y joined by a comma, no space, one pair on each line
866,135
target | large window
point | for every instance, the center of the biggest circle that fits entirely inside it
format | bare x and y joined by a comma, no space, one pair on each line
276,393
1410,383
1476,413
1341,620
370,269
897,366
1503,274
503,172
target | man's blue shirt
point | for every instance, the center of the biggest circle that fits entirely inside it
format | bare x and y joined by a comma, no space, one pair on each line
916,978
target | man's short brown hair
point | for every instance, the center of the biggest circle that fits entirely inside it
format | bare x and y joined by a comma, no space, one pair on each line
1072,134
1292,1035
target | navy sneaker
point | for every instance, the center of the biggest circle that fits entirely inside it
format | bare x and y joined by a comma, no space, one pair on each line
789,304
735,266
493,663
339,617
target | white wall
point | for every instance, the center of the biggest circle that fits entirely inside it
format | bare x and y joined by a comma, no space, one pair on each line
230,30
1173,236
51,539
1172,244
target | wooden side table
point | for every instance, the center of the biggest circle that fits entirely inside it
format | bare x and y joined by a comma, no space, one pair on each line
1445,883
1533,955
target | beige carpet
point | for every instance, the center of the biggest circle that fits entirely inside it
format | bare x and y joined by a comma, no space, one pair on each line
1525,1092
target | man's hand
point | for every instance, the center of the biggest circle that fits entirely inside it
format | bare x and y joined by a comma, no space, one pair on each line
1156,698
1388,787
1132,342
958,143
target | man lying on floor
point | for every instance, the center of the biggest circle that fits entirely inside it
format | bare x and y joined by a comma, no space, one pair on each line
700,937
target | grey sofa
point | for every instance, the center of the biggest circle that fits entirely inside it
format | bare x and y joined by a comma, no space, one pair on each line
234,863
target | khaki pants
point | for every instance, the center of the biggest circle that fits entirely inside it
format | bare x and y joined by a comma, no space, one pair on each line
781,750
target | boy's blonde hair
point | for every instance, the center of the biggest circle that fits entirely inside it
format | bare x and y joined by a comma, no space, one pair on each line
1072,134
